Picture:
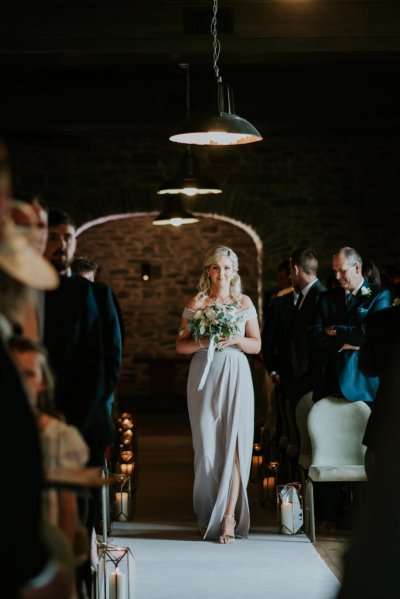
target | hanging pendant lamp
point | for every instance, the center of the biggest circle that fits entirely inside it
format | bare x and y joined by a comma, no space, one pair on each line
174,214
189,181
226,128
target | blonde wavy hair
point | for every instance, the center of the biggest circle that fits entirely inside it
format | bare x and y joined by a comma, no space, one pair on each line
211,257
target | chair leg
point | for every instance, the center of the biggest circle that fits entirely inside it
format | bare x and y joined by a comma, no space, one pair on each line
309,516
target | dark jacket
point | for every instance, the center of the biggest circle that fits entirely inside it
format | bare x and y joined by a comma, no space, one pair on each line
275,334
73,338
300,354
338,371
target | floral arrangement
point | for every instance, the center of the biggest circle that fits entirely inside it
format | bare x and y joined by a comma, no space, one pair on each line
214,321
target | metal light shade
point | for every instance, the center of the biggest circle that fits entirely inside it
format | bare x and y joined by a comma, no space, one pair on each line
223,130
175,214
189,181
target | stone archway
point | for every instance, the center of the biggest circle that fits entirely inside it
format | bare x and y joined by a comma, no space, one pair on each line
126,245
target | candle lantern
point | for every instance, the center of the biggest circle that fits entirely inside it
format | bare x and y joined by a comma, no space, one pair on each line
289,506
256,461
268,485
123,497
116,577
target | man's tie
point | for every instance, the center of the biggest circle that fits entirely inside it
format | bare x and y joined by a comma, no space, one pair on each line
349,297
299,301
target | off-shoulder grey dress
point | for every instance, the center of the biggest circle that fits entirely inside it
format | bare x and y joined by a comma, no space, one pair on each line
221,418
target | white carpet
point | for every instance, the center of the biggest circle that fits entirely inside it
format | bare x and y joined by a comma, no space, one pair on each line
172,562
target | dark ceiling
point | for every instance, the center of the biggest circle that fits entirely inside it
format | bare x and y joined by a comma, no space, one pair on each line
96,65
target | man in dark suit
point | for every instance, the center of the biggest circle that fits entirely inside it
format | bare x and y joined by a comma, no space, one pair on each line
275,335
338,331
275,355
73,336
382,341
303,272
112,341
336,336
371,561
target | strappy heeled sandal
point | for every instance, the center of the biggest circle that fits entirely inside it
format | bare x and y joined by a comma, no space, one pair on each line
224,538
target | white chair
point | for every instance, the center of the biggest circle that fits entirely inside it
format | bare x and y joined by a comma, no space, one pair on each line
336,428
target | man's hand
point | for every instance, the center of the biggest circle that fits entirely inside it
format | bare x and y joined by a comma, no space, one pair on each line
348,346
330,330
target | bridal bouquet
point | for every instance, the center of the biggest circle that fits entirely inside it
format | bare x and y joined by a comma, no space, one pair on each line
214,321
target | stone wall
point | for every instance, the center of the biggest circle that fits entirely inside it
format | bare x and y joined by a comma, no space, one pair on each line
318,189
151,309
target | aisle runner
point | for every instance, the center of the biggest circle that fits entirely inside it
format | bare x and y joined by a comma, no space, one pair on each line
173,563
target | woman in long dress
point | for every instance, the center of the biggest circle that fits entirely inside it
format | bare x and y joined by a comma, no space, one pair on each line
221,412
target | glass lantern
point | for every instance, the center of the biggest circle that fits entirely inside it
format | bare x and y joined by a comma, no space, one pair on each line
116,576
290,510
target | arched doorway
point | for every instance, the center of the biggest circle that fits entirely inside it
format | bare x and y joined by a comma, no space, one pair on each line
153,271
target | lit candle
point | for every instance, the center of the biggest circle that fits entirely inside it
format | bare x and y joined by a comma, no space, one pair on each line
269,484
127,468
287,522
117,585
121,506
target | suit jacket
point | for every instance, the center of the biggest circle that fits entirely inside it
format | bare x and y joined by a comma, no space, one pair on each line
379,357
73,338
275,334
102,431
299,345
20,448
338,371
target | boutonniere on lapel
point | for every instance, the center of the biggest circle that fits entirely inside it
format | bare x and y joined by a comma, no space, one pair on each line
396,301
365,291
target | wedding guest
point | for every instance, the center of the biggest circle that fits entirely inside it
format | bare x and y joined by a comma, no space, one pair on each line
336,335
275,343
40,576
303,273
220,400
338,330
84,267
376,359
73,337
62,447
371,561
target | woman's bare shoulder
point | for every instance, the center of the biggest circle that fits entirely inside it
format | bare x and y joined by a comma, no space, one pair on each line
245,302
194,303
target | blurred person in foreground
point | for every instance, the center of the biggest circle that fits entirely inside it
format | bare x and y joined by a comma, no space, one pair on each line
38,576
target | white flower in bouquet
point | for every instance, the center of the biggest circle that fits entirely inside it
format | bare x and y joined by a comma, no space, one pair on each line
215,321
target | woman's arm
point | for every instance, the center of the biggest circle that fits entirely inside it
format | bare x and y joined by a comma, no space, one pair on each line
185,344
250,343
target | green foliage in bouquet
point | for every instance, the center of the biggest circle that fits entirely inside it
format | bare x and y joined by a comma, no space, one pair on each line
214,321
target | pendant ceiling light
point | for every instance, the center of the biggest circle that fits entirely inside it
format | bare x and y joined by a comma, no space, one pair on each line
174,214
189,181
225,129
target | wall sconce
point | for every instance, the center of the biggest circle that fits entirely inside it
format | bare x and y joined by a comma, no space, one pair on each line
146,271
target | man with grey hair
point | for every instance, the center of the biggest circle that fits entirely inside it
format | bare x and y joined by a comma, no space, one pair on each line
336,336
338,330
